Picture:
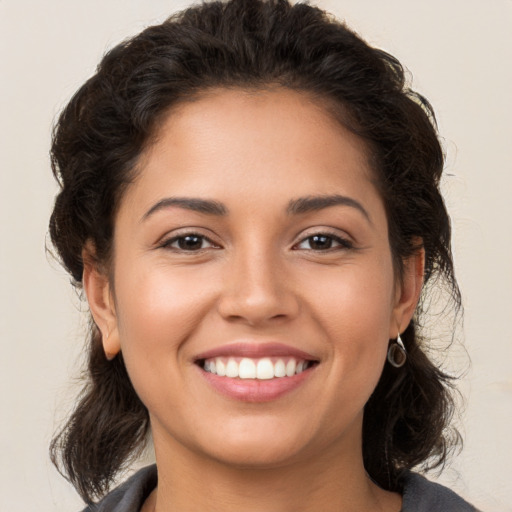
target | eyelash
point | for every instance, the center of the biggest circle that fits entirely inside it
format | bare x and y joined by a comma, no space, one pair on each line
344,244
167,244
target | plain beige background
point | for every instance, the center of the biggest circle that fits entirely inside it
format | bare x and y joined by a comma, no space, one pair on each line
460,54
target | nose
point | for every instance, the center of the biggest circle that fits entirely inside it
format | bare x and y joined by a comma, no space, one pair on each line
257,290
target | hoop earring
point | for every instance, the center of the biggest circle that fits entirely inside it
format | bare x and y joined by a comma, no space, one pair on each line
397,355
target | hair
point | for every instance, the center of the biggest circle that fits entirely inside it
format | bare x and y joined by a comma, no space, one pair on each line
249,44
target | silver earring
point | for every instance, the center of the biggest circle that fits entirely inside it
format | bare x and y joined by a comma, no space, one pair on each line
397,355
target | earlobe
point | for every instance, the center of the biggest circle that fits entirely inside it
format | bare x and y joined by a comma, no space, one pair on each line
101,304
408,292
111,346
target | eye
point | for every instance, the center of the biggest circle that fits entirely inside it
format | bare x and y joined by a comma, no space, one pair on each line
323,242
189,242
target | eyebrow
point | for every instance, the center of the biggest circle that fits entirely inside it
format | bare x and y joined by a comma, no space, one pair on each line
295,206
315,203
207,206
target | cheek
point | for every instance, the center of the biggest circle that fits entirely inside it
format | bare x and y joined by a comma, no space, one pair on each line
354,310
156,301
355,300
158,310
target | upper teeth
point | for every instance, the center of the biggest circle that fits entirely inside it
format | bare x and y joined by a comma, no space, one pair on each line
247,368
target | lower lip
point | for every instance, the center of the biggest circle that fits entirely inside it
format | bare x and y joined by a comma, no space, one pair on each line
255,390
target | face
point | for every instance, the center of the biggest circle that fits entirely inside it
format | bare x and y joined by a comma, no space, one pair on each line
253,293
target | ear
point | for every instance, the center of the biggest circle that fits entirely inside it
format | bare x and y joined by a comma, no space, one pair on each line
101,303
408,292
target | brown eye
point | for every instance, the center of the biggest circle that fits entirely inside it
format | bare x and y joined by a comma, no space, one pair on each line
189,243
323,242
319,242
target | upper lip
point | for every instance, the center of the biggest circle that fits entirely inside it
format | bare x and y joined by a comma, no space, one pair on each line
255,351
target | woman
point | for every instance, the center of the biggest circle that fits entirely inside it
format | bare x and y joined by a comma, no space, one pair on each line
249,199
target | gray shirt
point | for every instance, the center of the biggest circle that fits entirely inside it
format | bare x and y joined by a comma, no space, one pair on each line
419,495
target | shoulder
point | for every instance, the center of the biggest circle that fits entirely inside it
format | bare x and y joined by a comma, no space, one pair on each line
129,496
422,495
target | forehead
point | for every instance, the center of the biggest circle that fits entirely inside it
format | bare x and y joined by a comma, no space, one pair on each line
256,143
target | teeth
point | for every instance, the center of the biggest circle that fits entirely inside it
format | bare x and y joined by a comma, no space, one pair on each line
265,369
290,367
245,370
262,369
231,369
220,366
280,369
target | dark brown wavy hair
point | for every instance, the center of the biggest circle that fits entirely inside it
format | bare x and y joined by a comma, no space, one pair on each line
114,116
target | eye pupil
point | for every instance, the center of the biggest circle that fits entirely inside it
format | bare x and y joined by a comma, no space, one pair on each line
190,242
320,242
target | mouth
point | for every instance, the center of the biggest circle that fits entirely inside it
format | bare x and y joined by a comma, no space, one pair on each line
255,373
265,368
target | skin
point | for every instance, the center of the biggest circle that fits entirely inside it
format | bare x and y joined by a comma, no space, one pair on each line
256,276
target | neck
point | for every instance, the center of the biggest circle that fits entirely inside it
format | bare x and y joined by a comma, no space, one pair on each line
329,482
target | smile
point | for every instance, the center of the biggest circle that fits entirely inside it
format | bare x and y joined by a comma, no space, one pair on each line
265,368
253,372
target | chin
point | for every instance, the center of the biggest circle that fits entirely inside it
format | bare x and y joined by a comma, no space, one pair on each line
259,442
256,455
